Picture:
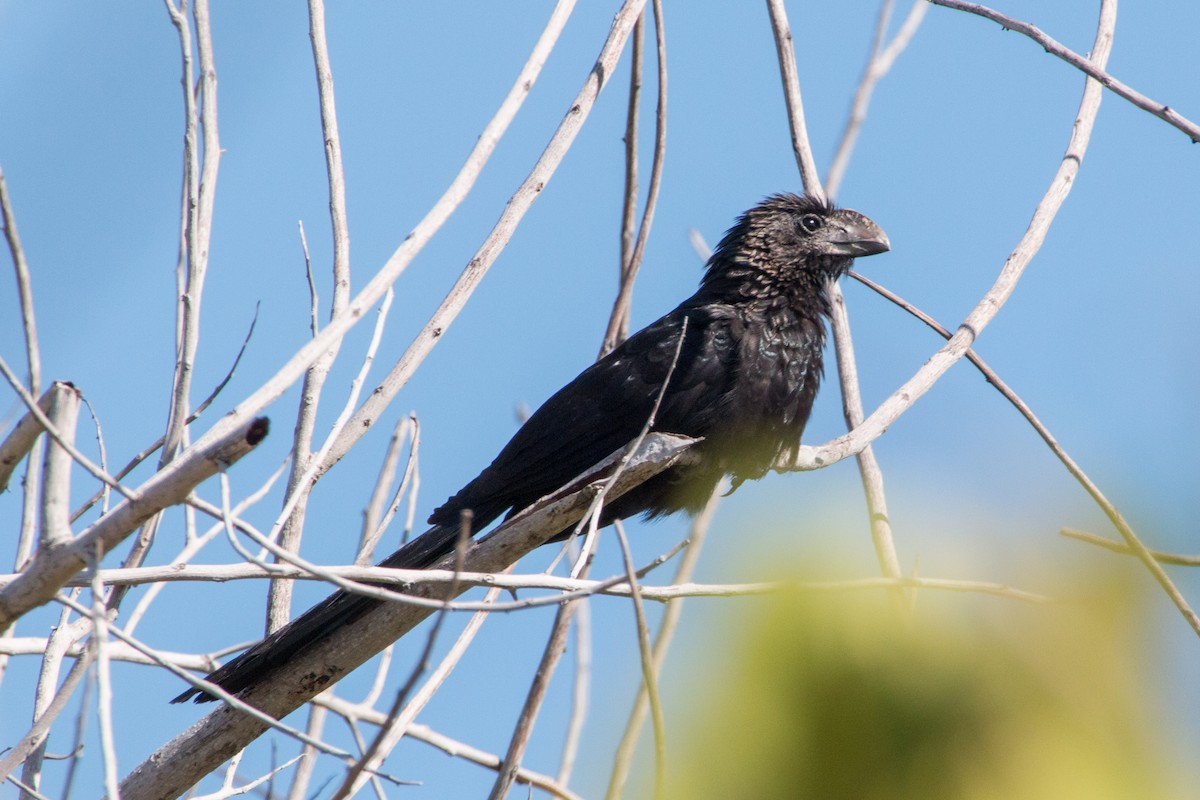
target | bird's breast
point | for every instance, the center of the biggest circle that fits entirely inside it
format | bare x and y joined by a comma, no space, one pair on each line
778,373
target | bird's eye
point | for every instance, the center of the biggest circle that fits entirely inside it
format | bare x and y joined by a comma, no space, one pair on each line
811,222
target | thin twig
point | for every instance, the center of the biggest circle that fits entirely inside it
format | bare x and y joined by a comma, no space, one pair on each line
201,160
880,62
423,733
375,520
580,688
102,452
649,673
623,759
50,570
214,690
278,612
557,643
1090,66
630,193
562,620
592,518
618,323
1049,206
615,585
153,447
52,431
15,755
514,211
8,221
1118,547
307,760
310,474
868,466
195,752
194,544
989,305
197,218
41,645
63,637
104,707
790,77
378,749
279,596
33,359
246,788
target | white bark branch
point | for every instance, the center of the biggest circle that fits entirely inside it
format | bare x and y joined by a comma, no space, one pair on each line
181,762
50,569
1092,67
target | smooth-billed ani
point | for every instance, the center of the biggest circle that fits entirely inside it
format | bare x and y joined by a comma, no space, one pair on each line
745,379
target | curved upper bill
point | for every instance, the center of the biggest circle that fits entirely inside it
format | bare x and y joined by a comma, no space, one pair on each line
859,236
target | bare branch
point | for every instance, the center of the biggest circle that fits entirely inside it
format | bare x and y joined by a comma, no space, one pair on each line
791,93
246,788
36,645
1072,466
104,705
279,597
551,654
64,636
985,311
276,385
1118,547
649,670
56,474
392,731
1017,261
618,323
666,631
146,452
868,465
307,760
201,163
36,736
632,114
184,760
33,358
580,690
616,586
375,521
8,221
49,570
562,620
497,239
233,701
21,438
52,431
872,476
878,65
1091,67
401,723
423,733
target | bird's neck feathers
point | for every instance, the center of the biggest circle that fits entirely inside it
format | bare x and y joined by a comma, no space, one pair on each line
741,272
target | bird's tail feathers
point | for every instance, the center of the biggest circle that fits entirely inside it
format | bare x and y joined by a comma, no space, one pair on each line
340,608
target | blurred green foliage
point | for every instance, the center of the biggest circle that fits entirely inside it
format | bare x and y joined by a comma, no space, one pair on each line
840,696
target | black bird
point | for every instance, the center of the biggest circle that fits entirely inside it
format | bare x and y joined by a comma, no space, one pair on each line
746,376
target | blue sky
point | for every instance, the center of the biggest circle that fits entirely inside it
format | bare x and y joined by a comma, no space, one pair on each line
962,139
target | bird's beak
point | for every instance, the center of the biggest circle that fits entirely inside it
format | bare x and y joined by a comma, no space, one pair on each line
859,236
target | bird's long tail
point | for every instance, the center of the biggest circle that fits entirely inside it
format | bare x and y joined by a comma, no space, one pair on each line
340,608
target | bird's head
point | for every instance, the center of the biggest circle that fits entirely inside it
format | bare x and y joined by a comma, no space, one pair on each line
791,243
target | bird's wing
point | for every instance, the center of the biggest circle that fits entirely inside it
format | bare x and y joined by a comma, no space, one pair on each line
606,406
